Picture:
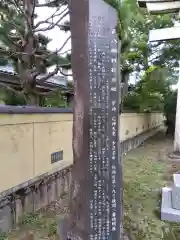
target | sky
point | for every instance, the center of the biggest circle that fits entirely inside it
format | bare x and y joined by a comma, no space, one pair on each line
58,37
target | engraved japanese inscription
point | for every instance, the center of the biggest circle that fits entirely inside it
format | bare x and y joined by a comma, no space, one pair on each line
104,203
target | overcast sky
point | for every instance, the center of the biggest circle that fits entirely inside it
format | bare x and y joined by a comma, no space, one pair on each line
58,37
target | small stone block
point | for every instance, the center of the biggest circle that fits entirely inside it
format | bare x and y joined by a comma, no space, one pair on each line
176,178
176,192
176,197
167,212
6,221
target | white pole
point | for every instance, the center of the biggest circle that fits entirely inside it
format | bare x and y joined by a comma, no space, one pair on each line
177,122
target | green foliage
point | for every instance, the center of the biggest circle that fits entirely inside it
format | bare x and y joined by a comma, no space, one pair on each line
13,42
155,62
26,48
52,231
31,219
154,93
56,99
143,103
38,222
11,98
140,24
138,55
134,25
150,92
3,236
145,171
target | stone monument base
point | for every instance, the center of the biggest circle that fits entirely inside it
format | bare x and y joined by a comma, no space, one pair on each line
174,156
167,212
170,207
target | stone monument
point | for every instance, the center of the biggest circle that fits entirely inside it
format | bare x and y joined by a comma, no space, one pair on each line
96,194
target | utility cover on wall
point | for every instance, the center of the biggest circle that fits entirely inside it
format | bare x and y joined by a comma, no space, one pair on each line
56,156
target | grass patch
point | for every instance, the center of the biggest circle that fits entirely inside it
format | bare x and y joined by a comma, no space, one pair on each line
143,180
41,225
32,220
3,236
52,229
35,226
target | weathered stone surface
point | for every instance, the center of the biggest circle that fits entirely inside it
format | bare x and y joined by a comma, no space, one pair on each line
29,202
176,192
37,199
19,209
136,141
176,178
31,198
6,220
167,212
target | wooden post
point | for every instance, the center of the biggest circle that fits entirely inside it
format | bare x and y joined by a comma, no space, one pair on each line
177,122
96,192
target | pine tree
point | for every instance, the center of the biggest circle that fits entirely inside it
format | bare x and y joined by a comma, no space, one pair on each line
23,44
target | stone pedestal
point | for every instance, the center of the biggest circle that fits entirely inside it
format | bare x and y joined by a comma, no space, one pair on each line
176,192
170,207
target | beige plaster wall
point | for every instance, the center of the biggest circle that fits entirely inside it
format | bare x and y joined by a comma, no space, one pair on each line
132,124
27,141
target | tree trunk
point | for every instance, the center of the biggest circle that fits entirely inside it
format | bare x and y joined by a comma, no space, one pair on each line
32,99
80,113
145,60
27,60
73,227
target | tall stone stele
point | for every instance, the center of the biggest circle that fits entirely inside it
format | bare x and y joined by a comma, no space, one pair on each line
96,191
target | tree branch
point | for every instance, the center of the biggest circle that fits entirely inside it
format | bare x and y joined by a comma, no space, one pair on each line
16,27
43,56
10,39
11,52
50,4
64,74
51,24
55,14
18,7
65,51
48,93
49,75
64,44
44,21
